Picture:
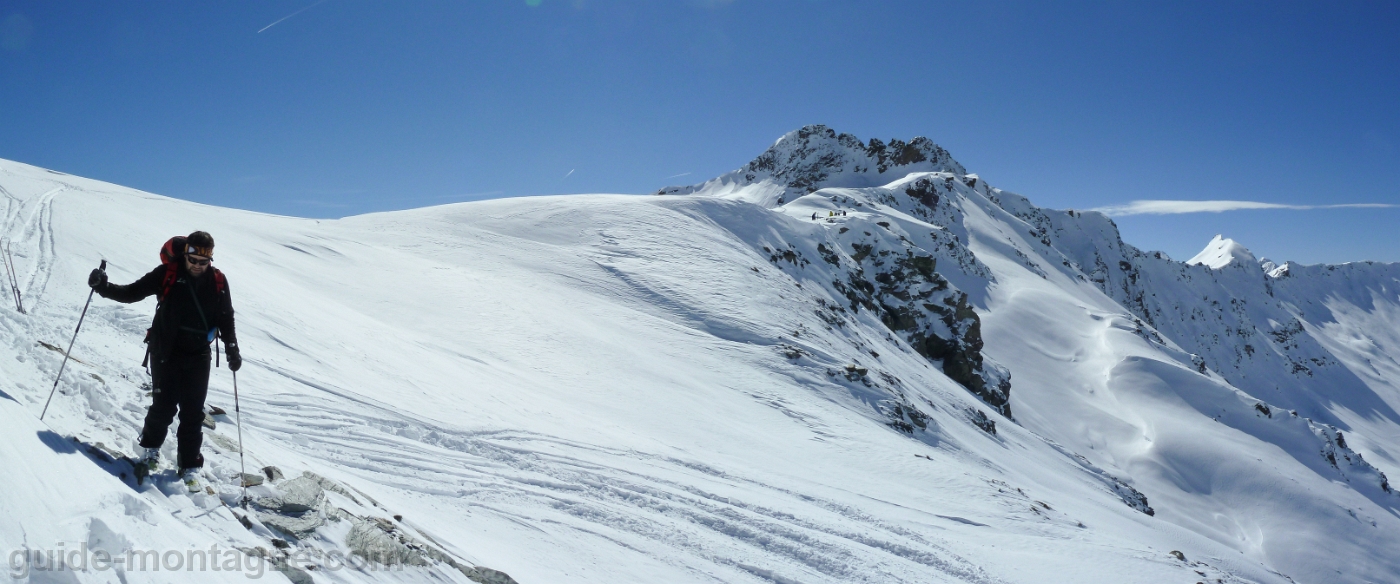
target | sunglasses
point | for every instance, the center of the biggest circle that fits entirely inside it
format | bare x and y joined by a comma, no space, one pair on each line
197,262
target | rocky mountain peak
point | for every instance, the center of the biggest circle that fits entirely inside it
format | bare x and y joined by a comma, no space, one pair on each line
1221,252
815,157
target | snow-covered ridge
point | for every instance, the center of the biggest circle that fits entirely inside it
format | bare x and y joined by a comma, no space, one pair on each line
1221,252
1290,336
816,157
1287,343
703,389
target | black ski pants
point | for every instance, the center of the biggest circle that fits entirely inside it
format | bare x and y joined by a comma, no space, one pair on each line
181,383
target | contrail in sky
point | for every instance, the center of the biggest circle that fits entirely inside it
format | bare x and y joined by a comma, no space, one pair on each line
571,171
676,175
291,15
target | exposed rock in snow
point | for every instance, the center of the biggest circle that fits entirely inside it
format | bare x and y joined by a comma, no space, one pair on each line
299,525
897,280
816,157
373,539
295,496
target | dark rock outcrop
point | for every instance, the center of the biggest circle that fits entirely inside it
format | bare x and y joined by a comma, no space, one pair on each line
899,282
816,157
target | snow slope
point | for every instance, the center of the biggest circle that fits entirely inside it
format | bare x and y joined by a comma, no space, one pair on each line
714,387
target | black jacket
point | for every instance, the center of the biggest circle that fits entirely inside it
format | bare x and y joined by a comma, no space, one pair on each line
185,316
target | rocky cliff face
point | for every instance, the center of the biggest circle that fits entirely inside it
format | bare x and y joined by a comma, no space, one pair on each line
886,267
899,243
873,267
815,157
897,279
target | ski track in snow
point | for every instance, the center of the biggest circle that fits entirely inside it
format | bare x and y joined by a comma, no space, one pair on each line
44,247
35,240
497,470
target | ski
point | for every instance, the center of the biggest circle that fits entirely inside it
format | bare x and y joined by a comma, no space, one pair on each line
139,470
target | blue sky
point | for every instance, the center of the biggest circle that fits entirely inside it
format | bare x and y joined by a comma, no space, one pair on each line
353,106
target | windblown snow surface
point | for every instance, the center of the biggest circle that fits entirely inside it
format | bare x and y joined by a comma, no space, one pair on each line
710,385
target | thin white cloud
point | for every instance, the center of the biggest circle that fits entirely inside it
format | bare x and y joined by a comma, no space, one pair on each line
278,21
1169,207
571,172
676,176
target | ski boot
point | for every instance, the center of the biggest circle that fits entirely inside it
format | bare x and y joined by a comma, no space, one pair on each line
190,476
146,464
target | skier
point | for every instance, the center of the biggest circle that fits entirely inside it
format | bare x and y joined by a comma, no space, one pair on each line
194,307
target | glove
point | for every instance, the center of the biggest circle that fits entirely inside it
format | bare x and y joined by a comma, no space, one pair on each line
234,360
97,278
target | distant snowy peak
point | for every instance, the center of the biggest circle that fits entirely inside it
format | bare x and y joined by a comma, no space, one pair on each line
816,157
1221,252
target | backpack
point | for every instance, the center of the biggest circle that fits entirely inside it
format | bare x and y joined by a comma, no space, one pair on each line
171,254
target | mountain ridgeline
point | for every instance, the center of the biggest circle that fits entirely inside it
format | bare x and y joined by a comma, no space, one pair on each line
899,245
848,361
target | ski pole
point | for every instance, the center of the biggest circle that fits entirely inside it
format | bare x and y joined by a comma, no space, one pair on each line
242,470
70,346
10,276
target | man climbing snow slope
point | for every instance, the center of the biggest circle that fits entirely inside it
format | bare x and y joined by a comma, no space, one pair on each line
194,307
